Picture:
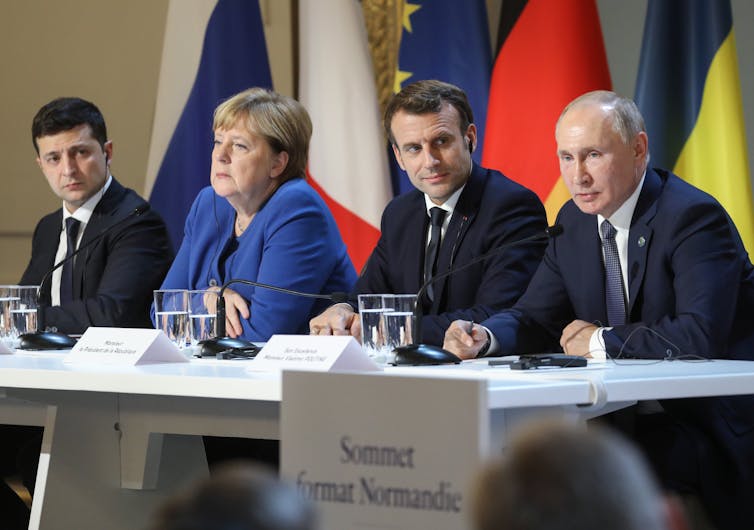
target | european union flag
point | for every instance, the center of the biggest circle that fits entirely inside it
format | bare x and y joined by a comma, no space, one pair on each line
450,41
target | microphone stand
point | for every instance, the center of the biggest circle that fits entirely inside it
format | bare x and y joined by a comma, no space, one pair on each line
419,353
42,339
223,343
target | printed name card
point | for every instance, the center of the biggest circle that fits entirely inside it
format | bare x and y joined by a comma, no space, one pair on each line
313,353
125,346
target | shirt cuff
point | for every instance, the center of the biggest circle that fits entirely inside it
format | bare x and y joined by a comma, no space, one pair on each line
597,345
493,346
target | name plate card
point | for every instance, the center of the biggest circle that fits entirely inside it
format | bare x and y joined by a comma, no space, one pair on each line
124,346
382,451
313,353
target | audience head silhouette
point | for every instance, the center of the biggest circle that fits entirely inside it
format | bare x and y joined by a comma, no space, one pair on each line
557,476
237,497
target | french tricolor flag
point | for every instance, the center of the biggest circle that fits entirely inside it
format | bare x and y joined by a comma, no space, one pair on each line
347,158
213,49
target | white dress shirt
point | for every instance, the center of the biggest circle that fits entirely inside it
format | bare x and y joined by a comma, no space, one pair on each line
82,214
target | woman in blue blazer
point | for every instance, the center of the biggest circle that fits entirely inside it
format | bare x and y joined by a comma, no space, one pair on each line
260,221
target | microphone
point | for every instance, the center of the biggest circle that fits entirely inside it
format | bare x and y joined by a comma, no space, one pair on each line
222,343
420,354
52,340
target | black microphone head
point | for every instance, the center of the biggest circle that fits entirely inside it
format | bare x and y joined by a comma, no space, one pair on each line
554,230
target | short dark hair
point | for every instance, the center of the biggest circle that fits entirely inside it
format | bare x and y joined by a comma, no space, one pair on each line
560,476
237,495
63,114
423,97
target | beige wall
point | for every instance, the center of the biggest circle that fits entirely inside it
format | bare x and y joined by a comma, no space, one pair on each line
109,51
106,51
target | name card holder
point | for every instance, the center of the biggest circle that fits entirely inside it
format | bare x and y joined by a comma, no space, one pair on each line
313,353
124,347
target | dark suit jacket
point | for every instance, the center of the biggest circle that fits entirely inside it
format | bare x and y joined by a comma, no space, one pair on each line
691,293
491,211
113,279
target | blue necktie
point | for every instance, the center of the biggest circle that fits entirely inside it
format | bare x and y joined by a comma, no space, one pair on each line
66,277
614,297
437,216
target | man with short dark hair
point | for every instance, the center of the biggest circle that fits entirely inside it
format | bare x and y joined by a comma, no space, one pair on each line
430,125
109,283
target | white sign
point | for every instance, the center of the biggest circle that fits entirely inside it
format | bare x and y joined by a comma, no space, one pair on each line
313,352
383,451
125,346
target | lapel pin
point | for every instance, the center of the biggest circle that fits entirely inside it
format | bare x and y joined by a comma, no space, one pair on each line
642,241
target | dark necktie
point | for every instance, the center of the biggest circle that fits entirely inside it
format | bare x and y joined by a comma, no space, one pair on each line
614,297
437,215
66,277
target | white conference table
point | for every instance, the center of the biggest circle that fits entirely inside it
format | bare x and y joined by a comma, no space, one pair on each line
118,440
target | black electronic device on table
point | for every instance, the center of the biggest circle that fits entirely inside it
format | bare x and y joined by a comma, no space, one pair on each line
549,360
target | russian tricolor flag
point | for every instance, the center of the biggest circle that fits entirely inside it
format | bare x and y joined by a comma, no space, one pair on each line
213,49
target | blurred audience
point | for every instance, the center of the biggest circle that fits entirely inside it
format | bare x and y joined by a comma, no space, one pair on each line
237,497
558,476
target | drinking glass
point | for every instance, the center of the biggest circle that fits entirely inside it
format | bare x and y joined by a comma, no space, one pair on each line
372,326
202,314
23,310
398,321
8,300
171,314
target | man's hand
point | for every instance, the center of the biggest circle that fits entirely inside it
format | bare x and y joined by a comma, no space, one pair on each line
338,319
236,308
576,336
465,339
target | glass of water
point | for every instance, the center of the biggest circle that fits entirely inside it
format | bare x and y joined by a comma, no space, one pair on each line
23,310
399,321
202,314
8,300
372,327
171,314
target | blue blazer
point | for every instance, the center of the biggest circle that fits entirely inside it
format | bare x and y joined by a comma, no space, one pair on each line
491,211
691,293
292,242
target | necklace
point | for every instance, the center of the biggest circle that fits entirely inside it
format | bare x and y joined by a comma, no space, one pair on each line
240,227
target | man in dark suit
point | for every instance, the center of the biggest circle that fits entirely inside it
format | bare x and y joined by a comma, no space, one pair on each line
110,282
430,126
668,278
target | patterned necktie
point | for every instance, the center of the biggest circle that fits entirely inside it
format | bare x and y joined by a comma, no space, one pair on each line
66,277
437,215
614,297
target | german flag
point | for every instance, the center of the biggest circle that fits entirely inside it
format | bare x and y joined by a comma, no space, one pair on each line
689,93
550,53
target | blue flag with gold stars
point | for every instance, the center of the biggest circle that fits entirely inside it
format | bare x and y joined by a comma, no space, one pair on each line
450,41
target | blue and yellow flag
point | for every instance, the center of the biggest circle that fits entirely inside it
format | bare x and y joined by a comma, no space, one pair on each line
689,93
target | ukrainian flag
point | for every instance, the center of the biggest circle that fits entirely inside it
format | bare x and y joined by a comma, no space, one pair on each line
689,93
